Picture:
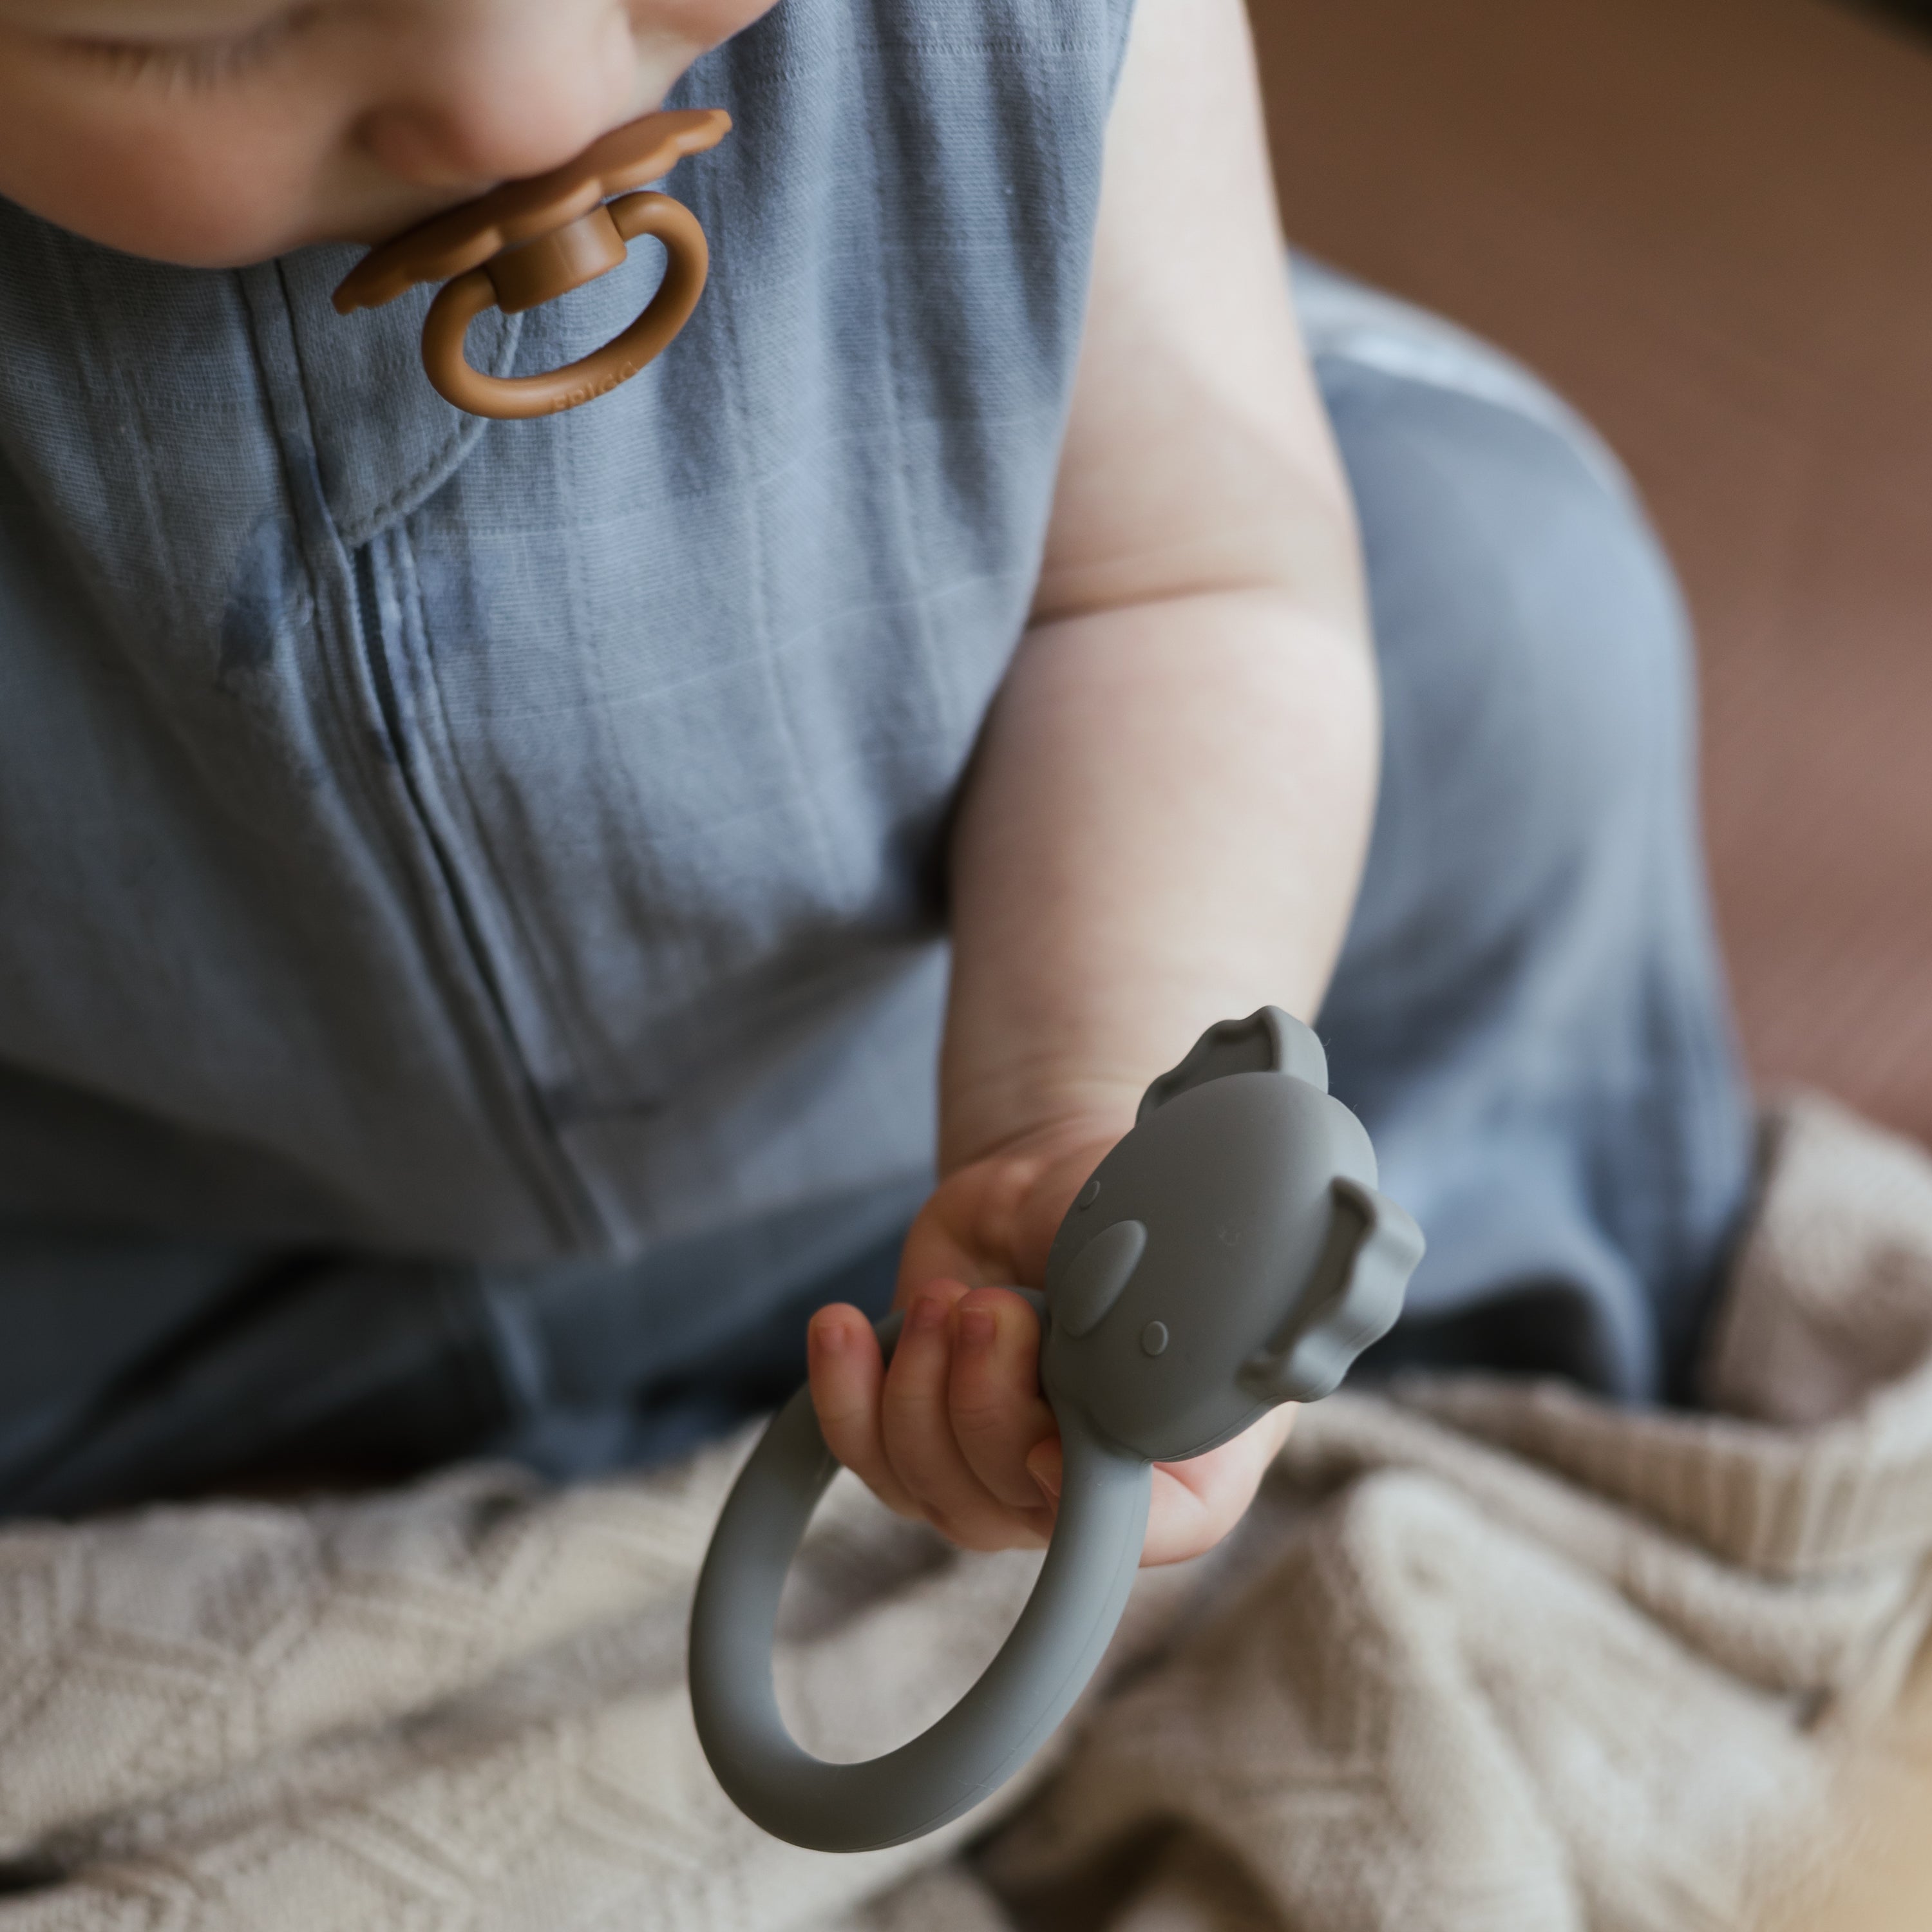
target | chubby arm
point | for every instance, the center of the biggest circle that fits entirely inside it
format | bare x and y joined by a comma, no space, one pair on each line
1165,820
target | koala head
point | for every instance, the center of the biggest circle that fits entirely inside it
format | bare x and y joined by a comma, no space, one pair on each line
1232,1252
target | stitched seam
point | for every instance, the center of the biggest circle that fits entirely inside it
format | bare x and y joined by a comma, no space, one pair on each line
511,911
516,1139
466,430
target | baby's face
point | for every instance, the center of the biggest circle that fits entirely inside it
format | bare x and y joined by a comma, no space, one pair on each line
213,132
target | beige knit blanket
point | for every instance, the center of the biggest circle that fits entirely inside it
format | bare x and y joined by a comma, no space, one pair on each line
1488,1656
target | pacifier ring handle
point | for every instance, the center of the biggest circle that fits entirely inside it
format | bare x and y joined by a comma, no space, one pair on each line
519,397
1017,1702
528,242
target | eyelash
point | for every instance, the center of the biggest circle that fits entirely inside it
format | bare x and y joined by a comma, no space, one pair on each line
193,64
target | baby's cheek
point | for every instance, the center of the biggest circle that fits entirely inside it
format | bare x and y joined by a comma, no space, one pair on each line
174,176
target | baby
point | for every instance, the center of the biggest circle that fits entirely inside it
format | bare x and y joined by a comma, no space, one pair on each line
451,865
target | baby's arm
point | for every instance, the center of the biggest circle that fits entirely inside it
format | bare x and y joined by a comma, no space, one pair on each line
1165,821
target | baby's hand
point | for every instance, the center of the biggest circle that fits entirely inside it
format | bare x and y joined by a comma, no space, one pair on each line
956,1430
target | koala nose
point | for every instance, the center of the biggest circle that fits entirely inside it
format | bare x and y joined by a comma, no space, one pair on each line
1098,1273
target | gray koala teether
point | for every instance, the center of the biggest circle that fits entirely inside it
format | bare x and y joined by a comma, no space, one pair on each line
1231,1253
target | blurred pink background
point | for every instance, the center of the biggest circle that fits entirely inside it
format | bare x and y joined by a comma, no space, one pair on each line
1709,222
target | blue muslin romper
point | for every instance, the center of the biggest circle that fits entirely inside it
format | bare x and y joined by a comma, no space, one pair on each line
471,905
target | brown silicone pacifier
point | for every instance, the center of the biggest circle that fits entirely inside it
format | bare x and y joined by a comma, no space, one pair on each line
529,242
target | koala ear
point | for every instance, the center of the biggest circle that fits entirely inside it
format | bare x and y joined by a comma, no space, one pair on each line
1269,1041
1352,1300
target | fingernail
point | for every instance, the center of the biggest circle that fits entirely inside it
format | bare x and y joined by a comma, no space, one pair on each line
930,1313
830,1338
1047,1477
978,1329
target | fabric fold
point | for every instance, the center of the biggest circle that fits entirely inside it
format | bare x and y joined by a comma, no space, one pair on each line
1485,1655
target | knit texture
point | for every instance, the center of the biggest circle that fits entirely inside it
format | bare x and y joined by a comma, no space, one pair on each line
1486,1655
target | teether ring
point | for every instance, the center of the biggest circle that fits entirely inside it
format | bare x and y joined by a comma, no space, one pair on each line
1230,1254
529,242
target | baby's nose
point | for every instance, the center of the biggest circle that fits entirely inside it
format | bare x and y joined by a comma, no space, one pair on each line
515,92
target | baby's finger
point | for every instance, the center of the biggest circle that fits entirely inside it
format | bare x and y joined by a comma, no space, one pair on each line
1196,1503
847,1374
998,1413
918,1430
